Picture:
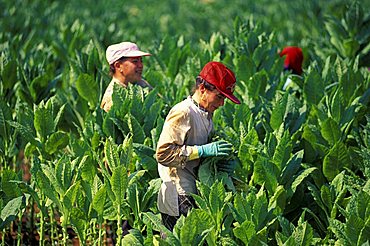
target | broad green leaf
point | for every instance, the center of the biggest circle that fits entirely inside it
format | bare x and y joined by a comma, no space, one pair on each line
137,130
335,160
27,133
87,88
195,224
88,169
291,168
55,177
283,151
216,198
151,117
5,115
78,221
245,231
265,172
127,149
38,85
242,208
313,89
134,199
260,210
111,154
59,115
278,112
43,121
99,200
56,141
71,195
330,131
130,239
303,234
45,187
119,181
299,179
278,200
12,208
9,74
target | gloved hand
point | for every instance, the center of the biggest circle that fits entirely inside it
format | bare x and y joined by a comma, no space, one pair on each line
226,166
219,148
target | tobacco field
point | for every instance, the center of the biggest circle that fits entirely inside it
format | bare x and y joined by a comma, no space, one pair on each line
72,174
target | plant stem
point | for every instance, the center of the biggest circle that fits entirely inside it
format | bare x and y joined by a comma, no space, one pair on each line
19,233
100,233
119,226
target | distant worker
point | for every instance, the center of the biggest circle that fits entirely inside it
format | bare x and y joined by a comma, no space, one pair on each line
126,67
293,61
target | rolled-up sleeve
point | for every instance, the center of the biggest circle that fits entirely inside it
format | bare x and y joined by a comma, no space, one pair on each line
172,150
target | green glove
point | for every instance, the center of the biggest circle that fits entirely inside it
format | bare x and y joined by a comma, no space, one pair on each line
219,148
226,166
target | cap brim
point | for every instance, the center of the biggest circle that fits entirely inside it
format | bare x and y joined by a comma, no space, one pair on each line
231,97
137,53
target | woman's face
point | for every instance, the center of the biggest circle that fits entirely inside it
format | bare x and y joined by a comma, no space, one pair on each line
131,68
212,100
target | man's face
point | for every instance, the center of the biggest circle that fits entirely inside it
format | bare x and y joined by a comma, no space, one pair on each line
132,69
212,100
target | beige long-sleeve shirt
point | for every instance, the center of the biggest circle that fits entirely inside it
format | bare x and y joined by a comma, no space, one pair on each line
107,101
185,126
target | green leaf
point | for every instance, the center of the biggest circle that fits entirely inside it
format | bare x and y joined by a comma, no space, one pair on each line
303,234
313,89
216,198
27,133
111,154
87,88
245,231
283,151
99,200
12,208
330,131
291,168
151,117
298,180
5,115
88,169
278,200
265,172
45,187
195,226
136,129
243,208
335,160
43,121
119,182
130,239
9,74
278,112
56,141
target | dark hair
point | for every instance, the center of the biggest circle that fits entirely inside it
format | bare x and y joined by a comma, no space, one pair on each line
199,80
112,69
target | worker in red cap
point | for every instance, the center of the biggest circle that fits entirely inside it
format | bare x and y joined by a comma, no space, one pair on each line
185,139
293,61
125,64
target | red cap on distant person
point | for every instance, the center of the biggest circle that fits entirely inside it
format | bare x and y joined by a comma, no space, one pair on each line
220,76
293,58
123,49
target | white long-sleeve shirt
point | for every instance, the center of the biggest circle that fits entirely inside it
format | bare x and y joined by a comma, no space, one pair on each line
185,126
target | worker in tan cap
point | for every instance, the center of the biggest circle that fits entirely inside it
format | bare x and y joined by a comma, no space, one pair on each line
125,62
185,140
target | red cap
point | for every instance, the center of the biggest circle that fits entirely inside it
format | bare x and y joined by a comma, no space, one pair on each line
293,59
220,76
